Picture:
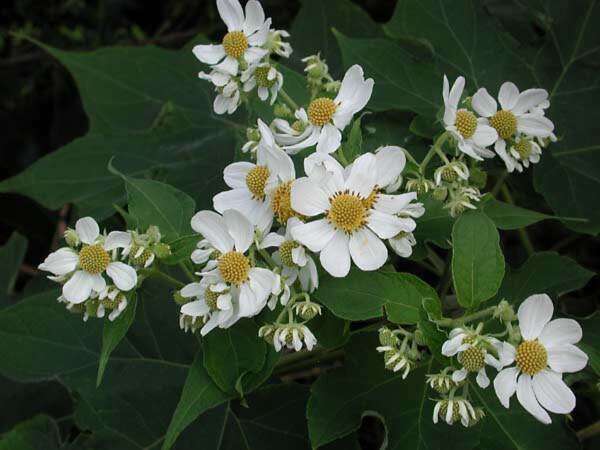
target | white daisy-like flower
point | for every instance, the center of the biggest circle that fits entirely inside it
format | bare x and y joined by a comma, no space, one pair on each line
266,78
451,172
325,118
522,152
258,190
246,34
515,115
546,351
472,134
84,267
454,409
276,44
357,216
228,97
473,353
293,336
232,235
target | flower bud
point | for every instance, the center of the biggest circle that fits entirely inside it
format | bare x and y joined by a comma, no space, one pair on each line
307,310
283,111
162,250
71,238
440,193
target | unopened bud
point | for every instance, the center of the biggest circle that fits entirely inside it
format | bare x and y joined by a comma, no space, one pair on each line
283,111
162,250
71,238
440,193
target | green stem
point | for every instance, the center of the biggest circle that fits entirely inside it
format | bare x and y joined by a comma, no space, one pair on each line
436,261
589,431
453,323
305,360
435,148
523,236
410,157
167,278
187,271
288,99
499,183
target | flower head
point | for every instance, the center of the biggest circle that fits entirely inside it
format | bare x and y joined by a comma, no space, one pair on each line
453,410
293,336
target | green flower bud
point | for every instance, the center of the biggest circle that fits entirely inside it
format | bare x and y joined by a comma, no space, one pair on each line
71,238
162,250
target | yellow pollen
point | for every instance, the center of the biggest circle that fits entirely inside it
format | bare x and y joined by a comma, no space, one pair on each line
262,77
371,199
455,411
235,44
282,203
320,111
285,250
472,359
94,259
449,174
234,267
505,123
465,123
256,180
211,298
347,212
298,126
139,260
531,357
523,148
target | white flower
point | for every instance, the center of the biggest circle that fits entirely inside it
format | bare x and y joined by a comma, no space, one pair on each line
356,215
403,243
472,134
545,353
293,336
325,118
204,251
451,172
520,154
264,76
472,352
246,33
84,268
228,97
454,409
515,116
254,186
232,234
276,45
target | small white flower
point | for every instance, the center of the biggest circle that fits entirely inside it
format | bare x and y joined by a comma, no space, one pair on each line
472,134
515,115
84,267
454,409
356,215
232,235
545,353
293,336
522,152
254,186
276,44
322,123
204,251
403,243
266,78
451,172
228,98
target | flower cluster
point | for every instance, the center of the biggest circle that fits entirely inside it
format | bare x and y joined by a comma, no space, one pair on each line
399,348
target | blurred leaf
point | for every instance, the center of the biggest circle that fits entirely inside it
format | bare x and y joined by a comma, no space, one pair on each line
510,217
181,249
330,331
435,225
590,340
354,144
11,257
477,260
434,338
39,433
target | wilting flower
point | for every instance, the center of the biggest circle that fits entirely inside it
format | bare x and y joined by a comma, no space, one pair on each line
451,172
522,152
266,78
292,336
453,410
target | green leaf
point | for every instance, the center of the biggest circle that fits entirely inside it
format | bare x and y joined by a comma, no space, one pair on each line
181,249
312,29
330,331
589,342
245,351
11,257
354,144
199,394
362,295
477,260
435,225
434,338
113,332
37,433
545,272
401,82
510,217
341,397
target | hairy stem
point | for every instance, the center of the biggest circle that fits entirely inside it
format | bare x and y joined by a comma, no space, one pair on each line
452,323
435,148
289,100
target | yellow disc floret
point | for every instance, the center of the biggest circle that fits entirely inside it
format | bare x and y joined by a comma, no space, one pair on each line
505,123
285,250
235,44
531,357
282,203
256,180
455,410
347,212
210,298
94,259
472,359
262,77
465,123
523,148
370,201
234,267
320,111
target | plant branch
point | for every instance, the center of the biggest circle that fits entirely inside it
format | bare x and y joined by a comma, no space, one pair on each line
453,323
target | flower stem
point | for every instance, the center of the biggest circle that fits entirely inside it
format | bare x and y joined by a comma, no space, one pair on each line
288,99
187,271
452,323
435,149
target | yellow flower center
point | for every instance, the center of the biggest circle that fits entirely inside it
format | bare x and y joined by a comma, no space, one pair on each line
505,123
371,199
142,258
235,44
211,298
523,148
320,111
262,77
282,203
455,411
256,180
285,250
531,357
94,259
347,212
234,267
465,123
298,126
472,359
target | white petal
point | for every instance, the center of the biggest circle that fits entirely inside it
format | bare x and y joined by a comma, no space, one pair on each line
484,135
191,290
459,375
259,38
60,262
385,225
482,379
99,283
505,385
247,301
257,211
307,198
363,175
235,174
87,229
508,95
566,358
212,323
209,54
353,95
561,331
255,17
335,257
272,240
195,309
79,287
212,226
529,99
535,125
240,229
314,235
124,276
224,302
254,54
534,313
450,347
552,392
456,92
390,162
367,250
394,204
232,14
329,139
527,399
483,103
262,282
117,239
